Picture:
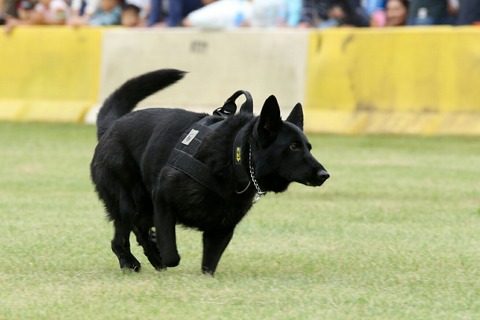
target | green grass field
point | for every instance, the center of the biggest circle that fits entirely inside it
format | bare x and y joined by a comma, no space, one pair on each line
394,234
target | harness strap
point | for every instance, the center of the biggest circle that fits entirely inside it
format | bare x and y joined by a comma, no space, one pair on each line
182,156
193,168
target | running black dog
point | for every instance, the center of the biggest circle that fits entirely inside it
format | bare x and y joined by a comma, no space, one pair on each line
142,187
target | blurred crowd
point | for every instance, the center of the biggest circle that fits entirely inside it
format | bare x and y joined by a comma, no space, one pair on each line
223,14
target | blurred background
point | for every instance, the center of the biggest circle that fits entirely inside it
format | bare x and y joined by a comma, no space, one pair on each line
357,66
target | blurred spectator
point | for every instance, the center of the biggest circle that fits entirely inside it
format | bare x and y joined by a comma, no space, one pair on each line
332,13
268,13
271,13
224,14
143,5
8,9
131,16
337,17
396,13
108,14
25,15
468,12
51,12
378,18
220,15
276,13
427,12
179,9
2,12
372,6
82,11
315,11
158,13
25,10
356,15
294,12
87,12
452,12
375,10
44,12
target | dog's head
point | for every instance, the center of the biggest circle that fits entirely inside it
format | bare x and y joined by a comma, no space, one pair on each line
282,151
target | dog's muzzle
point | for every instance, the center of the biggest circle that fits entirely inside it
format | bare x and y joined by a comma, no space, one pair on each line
321,176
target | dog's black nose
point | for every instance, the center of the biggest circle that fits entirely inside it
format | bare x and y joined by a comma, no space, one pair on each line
323,174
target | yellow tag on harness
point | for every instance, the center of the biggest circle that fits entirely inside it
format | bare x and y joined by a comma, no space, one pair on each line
238,154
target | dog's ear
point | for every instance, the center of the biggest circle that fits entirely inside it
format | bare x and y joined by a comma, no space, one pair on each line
270,121
296,116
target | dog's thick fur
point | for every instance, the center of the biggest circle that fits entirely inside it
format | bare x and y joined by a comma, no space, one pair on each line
140,192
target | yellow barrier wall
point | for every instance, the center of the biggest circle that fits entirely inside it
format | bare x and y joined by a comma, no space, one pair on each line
403,80
49,73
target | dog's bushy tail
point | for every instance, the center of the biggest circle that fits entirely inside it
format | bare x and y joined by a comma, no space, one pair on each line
125,98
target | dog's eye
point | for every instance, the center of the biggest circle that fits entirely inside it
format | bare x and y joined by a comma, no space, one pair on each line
294,147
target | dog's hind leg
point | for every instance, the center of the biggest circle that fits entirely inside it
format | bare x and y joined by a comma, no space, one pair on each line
143,223
214,244
121,240
121,246
141,228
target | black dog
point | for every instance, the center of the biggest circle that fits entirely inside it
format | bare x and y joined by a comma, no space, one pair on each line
140,190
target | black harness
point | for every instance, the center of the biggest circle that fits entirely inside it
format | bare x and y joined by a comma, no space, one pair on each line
182,156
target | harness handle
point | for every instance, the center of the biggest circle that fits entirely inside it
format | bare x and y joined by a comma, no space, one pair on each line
229,108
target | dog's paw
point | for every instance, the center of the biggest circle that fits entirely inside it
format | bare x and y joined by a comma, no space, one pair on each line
131,264
171,260
207,271
157,262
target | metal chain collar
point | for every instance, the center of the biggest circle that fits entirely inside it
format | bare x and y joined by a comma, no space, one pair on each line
252,175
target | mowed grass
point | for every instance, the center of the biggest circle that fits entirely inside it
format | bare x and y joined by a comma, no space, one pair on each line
394,234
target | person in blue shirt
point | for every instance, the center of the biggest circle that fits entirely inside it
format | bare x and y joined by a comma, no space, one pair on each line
332,13
108,14
294,12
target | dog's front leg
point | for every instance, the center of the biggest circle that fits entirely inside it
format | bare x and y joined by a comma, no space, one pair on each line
164,219
214,244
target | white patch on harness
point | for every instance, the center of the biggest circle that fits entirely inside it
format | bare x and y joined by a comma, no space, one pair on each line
190,136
